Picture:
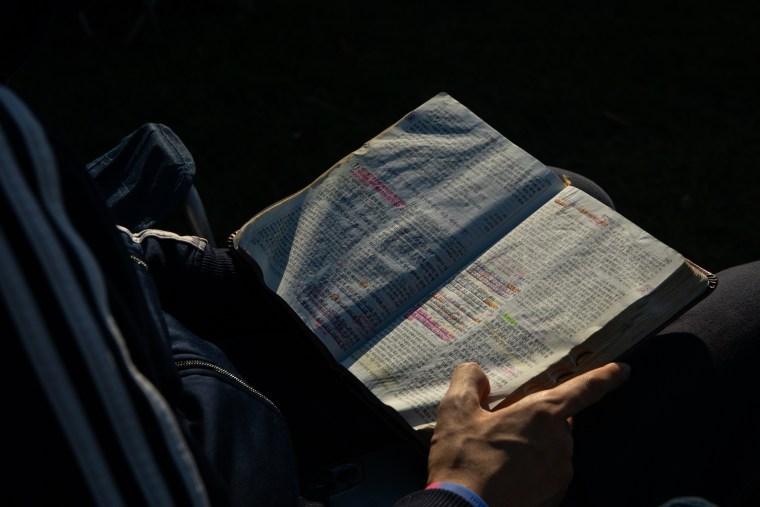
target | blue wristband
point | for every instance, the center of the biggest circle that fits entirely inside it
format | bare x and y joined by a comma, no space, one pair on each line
460,490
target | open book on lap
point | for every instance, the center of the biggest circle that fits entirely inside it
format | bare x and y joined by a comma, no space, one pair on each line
439,241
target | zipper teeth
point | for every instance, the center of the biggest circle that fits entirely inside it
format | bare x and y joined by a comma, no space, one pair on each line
231,239
206,364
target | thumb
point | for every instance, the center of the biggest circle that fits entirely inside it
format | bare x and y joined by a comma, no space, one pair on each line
469,385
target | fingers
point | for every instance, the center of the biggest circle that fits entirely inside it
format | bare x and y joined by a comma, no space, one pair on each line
469,382
588,388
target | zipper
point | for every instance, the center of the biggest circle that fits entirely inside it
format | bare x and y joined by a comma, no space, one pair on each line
198,363
231,240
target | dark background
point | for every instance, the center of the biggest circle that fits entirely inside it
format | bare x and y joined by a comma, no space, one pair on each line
658,105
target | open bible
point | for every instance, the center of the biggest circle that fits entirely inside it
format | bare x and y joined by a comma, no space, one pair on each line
439,241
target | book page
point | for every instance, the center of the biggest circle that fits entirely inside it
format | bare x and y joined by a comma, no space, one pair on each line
382,227
523,305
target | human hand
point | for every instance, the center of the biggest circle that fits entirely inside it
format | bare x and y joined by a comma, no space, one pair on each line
518,455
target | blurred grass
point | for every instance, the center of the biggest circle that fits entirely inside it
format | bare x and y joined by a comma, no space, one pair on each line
660,107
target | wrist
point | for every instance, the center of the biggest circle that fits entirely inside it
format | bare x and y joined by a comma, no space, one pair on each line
473,498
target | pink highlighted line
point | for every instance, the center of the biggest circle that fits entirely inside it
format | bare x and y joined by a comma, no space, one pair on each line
367,178
429,322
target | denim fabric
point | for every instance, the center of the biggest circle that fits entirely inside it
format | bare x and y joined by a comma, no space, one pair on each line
144,176
242,433
244,440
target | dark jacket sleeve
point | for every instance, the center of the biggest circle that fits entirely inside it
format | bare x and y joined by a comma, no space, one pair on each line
432,498
205,288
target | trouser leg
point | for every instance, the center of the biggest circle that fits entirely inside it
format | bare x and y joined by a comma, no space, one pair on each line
686,421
